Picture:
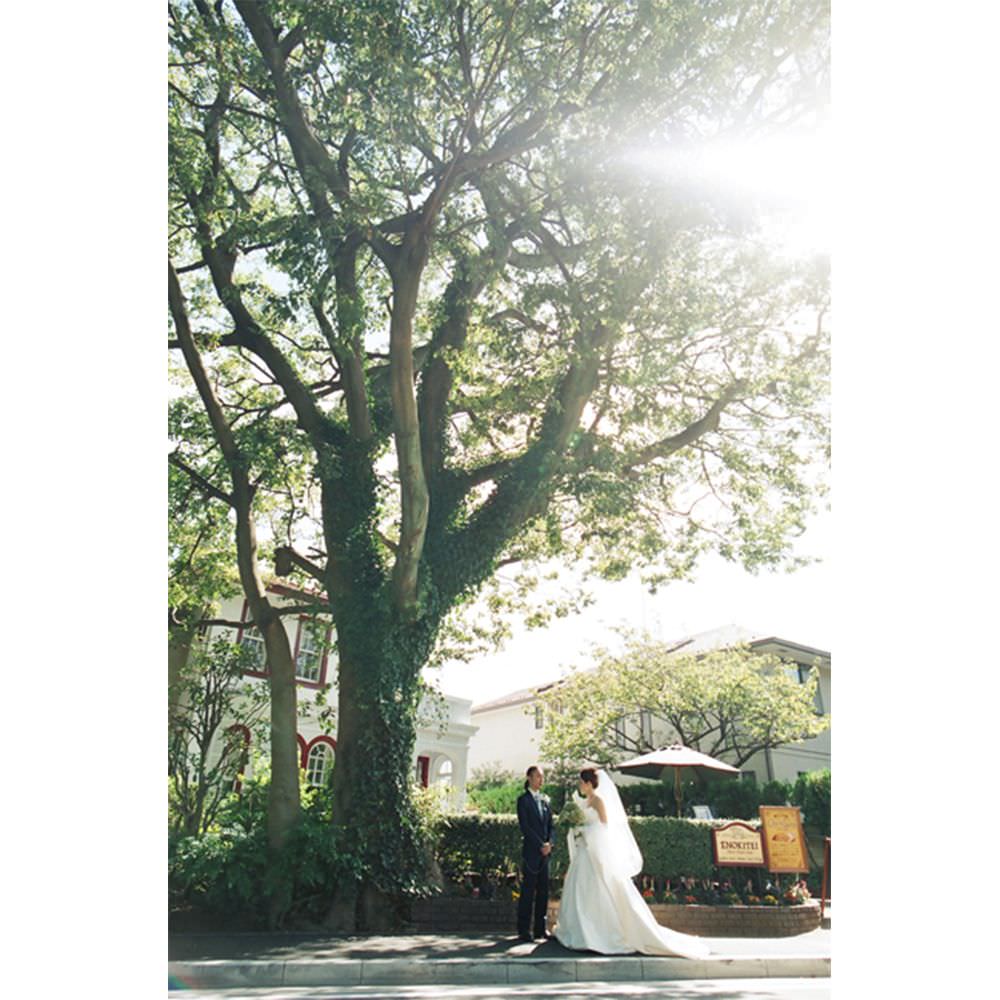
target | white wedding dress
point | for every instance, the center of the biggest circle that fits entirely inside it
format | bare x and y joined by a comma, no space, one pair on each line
601,909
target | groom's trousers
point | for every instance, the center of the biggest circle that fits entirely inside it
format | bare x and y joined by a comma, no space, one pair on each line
534,890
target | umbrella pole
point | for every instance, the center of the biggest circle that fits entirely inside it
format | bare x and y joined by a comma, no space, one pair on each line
678,794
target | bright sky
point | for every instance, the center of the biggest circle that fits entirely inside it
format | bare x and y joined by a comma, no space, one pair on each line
787,177
794,606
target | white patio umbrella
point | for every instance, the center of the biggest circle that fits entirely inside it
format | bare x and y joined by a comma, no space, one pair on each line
676,758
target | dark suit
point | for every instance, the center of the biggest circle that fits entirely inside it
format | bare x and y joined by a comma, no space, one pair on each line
536,830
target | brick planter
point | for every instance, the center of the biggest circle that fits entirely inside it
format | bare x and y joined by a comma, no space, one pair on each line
739,921
458,913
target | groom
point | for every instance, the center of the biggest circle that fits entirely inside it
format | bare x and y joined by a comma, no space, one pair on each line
535,819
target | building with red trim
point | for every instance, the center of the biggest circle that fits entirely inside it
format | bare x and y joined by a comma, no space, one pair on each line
445,726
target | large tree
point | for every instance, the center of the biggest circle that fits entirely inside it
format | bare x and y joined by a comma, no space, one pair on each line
415,229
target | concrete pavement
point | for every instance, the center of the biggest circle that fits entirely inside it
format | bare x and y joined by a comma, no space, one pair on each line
227,961
690,989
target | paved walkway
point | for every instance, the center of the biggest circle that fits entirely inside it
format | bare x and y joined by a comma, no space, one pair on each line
688,989
270,960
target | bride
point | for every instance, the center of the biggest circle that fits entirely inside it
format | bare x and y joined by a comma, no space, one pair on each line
601,909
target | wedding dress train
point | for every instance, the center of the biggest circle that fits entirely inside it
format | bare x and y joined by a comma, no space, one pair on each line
601,909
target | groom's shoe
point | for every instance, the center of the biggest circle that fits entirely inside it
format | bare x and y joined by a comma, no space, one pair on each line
544,936
525,937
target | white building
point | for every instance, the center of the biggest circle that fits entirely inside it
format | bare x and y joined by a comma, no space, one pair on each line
444,729
511,727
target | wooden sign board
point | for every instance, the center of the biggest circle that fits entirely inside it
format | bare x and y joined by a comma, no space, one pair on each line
737,845
784,839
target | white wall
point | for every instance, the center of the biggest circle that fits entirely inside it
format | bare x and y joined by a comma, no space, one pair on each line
506,735
449,744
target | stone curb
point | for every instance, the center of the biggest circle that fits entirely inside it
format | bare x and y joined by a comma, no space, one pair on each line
222,974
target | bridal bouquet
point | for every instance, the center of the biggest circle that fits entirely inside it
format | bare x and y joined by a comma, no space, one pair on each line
571,817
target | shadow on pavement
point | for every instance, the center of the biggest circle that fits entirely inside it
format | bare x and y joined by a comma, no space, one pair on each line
289,946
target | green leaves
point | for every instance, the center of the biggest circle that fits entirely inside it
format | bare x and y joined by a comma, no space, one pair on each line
214,716
729,703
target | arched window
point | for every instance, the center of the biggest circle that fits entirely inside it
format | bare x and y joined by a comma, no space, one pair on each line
445,772
319,764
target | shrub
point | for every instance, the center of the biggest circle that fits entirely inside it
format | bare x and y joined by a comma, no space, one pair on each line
230,873
494,798
729,799
673,847
490,844
775,793
221,873
812,795
735,799
490,775
650,798
500,797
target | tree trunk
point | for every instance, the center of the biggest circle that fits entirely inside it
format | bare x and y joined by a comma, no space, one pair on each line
283,802
374,818
283,792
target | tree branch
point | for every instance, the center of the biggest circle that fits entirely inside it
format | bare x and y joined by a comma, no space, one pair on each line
242,494
285,557
311,156
249,335
198,478
704,425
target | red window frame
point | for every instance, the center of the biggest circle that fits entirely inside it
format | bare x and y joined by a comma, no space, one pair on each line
306,747
245,620
326,653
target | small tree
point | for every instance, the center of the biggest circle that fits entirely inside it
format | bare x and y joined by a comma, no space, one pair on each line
728,703
492,774
213,713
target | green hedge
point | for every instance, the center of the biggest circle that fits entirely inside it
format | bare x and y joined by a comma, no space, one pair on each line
812,795
481,842
731,799
500,799
491,845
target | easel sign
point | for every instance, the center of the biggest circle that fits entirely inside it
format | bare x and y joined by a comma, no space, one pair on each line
784,839
737,845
